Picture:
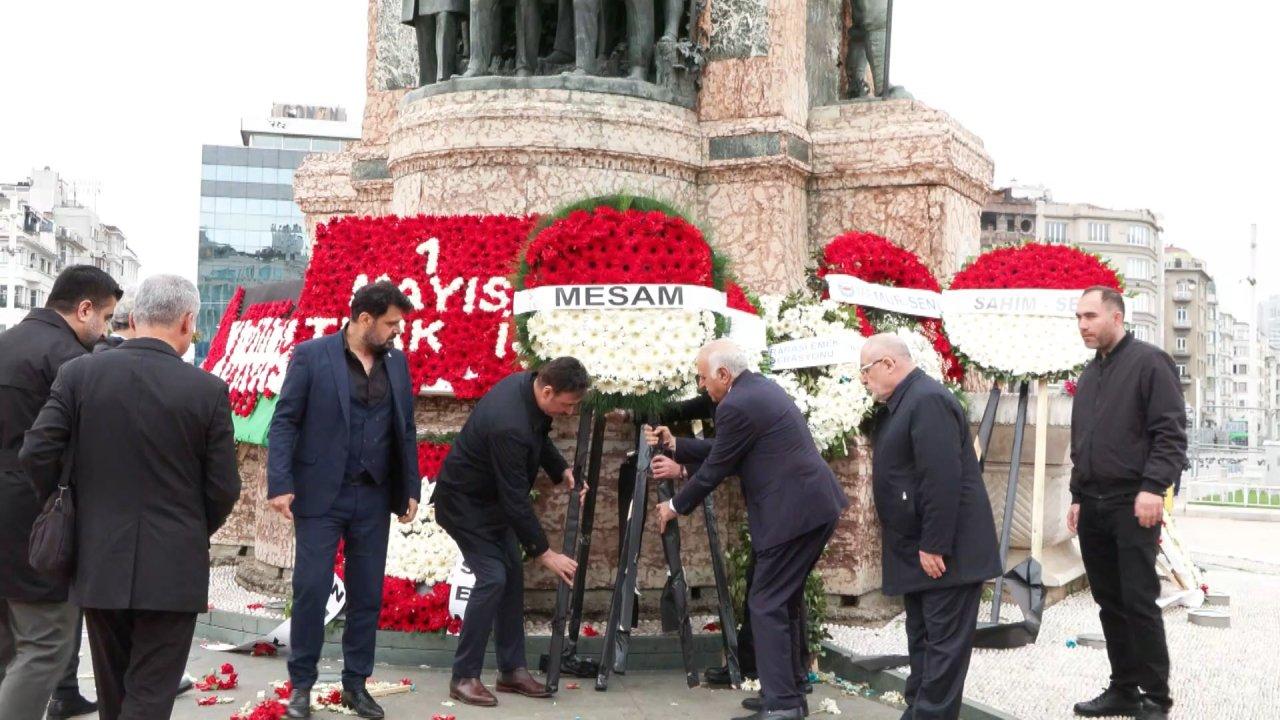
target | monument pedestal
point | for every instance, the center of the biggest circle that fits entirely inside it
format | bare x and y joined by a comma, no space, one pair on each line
766,159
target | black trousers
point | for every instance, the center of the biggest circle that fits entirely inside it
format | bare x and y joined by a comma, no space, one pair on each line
361,517
138,660
496,604
1120,561
746,638
776,604
940,628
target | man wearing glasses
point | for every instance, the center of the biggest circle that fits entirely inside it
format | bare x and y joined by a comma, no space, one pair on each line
939,535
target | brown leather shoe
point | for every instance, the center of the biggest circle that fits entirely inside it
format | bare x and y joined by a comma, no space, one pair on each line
471,691
520,681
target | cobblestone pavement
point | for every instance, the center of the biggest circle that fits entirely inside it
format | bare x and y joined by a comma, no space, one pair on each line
1226,674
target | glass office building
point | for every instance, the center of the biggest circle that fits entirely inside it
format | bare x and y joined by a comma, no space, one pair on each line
251,232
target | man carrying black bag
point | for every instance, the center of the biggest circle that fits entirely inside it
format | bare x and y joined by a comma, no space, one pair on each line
153,468
38,627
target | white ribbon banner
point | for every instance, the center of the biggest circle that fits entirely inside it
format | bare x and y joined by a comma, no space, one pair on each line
1047,303
746,330
654,296
461,581
925,303
836,349
908,301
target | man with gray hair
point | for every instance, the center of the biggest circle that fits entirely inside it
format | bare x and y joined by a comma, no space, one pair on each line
151,452
939,536
793,503
120,329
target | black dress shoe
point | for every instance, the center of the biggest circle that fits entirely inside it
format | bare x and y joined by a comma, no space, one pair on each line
1114,701
756,703
1152,711
716,675
61,709
790,714
299,703
362,703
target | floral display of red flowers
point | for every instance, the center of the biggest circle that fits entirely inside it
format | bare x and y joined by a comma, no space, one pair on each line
875,259
454,268
218,346
265,710
403,609
607,245
1036,266
737,299
262,326
430,457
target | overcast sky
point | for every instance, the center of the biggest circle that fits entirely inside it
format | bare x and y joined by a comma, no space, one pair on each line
1133,103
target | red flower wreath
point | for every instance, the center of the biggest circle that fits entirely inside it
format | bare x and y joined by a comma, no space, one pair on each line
620,240
1036,266
467,256
874,259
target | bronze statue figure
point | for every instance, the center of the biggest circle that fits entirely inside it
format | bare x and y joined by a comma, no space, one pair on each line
869,37
436,24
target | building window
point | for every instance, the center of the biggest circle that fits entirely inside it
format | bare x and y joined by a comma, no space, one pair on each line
1180,343
4,296
1141,302
1180,315
1242,387
1099,232
1182,370
1137,269
1055,231
1142,332
1140,235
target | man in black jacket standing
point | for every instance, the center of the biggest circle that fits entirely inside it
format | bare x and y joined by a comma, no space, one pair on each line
793,503
482,501
939,535
153,466
38,627
1128,446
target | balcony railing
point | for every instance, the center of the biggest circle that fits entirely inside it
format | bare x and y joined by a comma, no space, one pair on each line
1184,352
1182,296
1182,324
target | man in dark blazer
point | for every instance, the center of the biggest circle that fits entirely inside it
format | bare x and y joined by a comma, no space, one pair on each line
153,466
341,459
793,503
482,501
939,536
37,624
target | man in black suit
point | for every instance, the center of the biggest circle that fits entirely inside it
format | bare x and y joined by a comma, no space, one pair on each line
939,535
342,458
793,503
482,501
39,629
153,465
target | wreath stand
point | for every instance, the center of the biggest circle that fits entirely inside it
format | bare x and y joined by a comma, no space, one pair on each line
579,522
1026,584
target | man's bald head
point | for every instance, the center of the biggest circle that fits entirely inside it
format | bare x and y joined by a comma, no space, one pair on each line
886,360
887,344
